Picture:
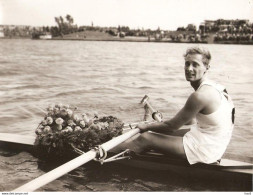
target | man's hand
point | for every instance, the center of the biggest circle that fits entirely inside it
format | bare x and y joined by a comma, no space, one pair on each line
143,127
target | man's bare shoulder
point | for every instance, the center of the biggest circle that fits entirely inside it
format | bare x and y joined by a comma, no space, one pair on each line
197,98
207,93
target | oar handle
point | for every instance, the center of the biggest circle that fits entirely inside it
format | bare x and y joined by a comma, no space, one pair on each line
155,114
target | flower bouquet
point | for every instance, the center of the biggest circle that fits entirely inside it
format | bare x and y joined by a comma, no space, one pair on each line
62,132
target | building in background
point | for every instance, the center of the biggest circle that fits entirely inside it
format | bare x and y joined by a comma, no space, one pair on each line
1,32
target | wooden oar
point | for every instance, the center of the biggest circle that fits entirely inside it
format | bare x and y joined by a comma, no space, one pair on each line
73,164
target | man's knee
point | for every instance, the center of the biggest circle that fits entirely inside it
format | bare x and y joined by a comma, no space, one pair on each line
144,139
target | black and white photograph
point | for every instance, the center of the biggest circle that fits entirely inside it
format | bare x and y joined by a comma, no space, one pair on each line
126,96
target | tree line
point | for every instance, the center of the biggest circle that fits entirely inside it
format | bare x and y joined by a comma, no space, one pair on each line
64,26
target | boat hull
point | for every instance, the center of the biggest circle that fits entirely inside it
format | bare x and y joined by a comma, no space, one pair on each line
227,171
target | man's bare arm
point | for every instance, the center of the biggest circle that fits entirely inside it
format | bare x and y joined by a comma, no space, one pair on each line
194,105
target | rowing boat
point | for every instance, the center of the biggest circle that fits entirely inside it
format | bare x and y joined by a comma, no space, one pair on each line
234,171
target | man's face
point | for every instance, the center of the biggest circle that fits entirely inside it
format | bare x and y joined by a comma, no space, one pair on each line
194,67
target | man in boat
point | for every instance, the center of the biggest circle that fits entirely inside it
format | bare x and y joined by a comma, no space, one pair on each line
209,105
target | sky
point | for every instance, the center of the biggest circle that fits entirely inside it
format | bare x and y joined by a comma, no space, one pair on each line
146,14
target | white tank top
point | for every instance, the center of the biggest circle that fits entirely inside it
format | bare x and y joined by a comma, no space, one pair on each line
207,141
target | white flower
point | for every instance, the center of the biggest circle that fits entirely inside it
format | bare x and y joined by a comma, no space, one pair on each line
56,110
69,129
38,131
76,117
70,122
64,131
86,119
49,120
47,128
104,125
50,113
70,112
44,122
50,107
59,121
77,128
82,124
64,112
66,106
58,105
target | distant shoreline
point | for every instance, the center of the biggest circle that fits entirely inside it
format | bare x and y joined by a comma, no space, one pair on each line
137,39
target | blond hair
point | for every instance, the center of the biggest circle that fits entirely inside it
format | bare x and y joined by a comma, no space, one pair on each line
206,56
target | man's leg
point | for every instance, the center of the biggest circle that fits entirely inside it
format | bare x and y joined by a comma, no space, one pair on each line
179,132
165,144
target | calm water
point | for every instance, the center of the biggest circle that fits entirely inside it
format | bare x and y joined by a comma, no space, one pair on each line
110,78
